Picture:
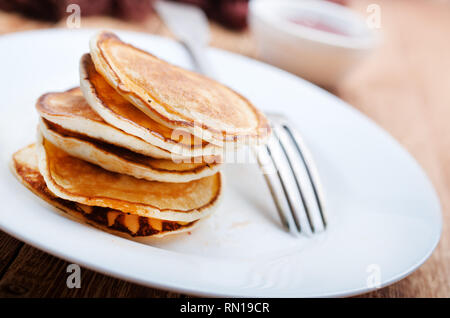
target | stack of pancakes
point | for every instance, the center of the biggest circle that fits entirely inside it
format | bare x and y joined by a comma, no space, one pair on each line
137,148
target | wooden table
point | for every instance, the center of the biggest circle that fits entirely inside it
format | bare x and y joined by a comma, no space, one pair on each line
404,87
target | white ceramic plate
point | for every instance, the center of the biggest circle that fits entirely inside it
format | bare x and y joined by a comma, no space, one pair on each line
385,217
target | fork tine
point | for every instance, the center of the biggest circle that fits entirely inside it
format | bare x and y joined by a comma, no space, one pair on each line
292,210
306,206
270,184
289,144
310,170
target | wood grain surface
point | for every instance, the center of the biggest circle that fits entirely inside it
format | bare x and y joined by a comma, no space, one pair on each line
404,86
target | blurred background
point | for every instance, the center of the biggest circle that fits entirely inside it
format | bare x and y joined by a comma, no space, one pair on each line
390,59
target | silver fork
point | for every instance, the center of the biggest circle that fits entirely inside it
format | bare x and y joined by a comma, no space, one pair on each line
294,184
295,176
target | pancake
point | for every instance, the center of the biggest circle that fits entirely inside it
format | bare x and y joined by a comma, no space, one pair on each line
120,113
76,180
177,98
70,110
25,167
124,161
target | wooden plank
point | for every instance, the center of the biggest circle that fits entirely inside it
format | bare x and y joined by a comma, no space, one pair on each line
9,248
34,273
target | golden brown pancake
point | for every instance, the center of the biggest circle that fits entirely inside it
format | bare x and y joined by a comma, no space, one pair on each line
77,180
119,112
177,98
121,160
70,110
25,167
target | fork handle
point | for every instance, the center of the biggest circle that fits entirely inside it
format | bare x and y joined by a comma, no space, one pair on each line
199,56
